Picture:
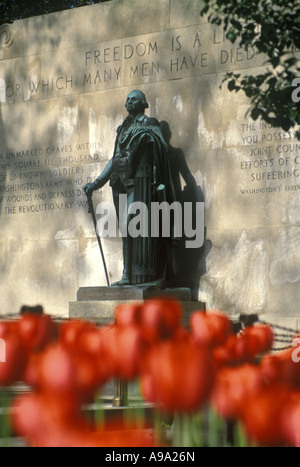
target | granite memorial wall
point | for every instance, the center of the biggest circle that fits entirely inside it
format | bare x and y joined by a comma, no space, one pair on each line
64,78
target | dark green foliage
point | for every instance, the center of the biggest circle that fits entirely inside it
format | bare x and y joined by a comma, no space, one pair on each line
272,27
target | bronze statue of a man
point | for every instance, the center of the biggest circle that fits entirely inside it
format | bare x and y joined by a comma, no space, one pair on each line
138,166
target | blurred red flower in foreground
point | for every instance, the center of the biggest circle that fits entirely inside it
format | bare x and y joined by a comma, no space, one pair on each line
245,346
157,319
261,415
35,331
44,422
232,386
210,328
178,369
124,349
11,369
290,420
280,368
177,375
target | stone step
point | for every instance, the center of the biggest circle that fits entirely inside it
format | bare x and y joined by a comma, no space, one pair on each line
99,303
131,293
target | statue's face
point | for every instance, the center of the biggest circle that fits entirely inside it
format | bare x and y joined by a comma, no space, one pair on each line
134,103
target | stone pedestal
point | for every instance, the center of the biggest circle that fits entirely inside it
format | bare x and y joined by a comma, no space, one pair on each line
98,303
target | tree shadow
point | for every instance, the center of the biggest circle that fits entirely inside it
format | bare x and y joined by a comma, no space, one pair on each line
189,263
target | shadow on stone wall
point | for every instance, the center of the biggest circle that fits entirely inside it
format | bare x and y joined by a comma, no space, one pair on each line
189,263
3,165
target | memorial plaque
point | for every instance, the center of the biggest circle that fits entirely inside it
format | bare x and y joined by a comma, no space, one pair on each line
64,79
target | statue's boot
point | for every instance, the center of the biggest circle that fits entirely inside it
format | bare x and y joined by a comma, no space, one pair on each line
125,279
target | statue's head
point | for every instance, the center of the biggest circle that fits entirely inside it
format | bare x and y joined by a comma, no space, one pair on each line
136,102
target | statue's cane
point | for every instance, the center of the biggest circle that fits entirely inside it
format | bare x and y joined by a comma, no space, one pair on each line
91,210
120,386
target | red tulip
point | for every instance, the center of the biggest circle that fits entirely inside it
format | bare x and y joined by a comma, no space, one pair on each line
57,372
44,422
47,421
35,331
30,373
13,356
210,328
262,338
124,349
71,330
262,413
159,318
245,346
6,328
88,377
127,313
177,375
91,345
90,342
290,420
232,386
122,434
280,368
27,417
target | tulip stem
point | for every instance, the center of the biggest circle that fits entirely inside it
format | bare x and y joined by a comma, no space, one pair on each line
188,430
5,426
99,411
240,438
216,429
158,426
